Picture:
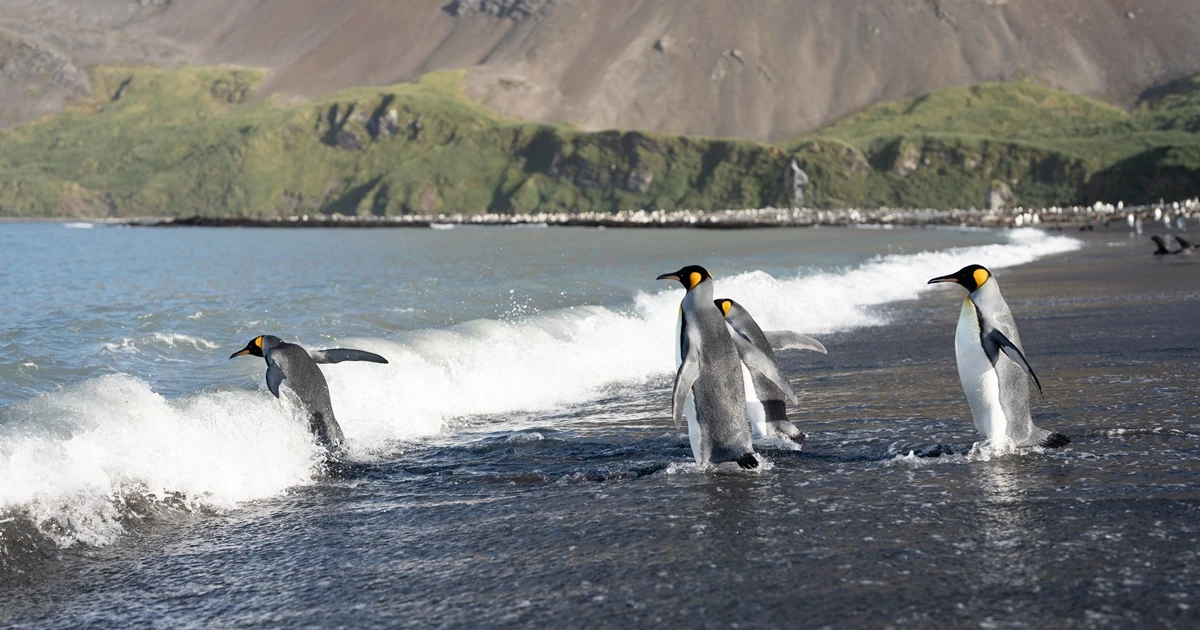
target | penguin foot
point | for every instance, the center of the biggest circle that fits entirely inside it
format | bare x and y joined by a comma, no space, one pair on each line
799,438
748,461
1055,440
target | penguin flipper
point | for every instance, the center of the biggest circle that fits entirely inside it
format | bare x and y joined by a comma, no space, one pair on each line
274,377
689,371
337,355
788,340
757,361
995,342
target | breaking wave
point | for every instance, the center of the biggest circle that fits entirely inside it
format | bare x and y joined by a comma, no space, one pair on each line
72,460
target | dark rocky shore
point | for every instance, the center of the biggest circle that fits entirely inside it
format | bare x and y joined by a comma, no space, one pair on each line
1081,217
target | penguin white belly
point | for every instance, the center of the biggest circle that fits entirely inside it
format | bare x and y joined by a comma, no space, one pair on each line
755,412
689,412
980,382
689,405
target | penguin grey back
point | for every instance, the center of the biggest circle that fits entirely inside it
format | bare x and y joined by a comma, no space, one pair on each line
769,394
719,391
310,387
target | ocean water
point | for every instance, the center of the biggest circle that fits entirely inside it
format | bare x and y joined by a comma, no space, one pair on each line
515,463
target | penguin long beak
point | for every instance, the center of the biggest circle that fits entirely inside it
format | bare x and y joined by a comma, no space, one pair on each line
239,353
944,279
669,276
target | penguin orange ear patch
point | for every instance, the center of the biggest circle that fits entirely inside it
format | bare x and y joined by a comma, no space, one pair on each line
258,341
694,278
981,276
725,306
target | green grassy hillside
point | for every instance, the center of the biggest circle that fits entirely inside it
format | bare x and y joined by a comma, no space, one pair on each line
1050,147
180,142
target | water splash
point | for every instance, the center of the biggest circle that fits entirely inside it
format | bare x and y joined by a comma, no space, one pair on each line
71,459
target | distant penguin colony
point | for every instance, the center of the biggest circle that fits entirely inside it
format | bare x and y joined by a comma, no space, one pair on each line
290,362
992,365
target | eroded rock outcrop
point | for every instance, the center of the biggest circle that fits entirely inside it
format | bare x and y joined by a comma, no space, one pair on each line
512,9
35,79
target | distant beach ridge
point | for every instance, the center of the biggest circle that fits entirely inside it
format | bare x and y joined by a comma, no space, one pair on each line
1173,215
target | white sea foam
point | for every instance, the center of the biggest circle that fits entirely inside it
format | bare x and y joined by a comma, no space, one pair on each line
68,457
134,345
830,302
175,339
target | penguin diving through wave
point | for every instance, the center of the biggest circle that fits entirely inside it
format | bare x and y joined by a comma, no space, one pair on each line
765,406
288,361
992,366
709,379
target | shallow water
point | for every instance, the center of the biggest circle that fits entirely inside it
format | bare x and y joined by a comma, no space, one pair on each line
515,463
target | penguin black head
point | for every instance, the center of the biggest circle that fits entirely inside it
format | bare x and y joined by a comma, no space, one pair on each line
724,304
255,347
970,277
689,276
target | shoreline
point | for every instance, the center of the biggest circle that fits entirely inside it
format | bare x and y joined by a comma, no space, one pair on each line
1081,217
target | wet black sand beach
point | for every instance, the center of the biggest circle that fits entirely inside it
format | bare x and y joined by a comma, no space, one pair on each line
580,521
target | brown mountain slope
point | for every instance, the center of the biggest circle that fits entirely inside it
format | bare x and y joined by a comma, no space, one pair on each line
766,69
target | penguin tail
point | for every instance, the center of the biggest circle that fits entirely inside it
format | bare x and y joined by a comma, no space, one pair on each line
1055,440
748,461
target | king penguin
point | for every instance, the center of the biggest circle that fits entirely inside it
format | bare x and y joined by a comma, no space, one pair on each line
765,406
709,378
299,367
992,365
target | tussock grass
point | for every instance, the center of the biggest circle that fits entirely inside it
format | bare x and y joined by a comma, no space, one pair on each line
159,142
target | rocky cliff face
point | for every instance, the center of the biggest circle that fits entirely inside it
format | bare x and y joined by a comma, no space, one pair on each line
512,9
46,47
768,69
36,79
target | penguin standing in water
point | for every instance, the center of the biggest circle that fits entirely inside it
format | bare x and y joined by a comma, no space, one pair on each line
299,367
709,379
992,365
765,406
